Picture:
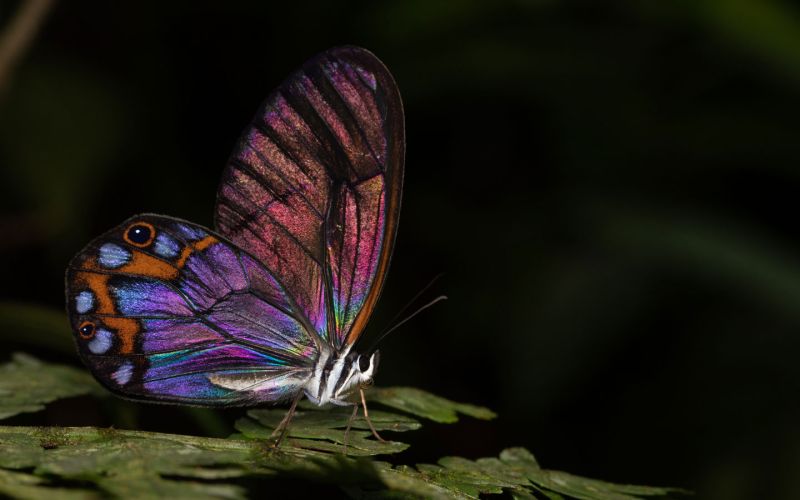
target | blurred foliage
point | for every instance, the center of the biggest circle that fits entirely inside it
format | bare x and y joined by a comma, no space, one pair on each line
610,187
26,385
137,464
44,327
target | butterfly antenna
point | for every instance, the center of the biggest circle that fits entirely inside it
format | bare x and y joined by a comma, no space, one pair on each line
414,299
398,325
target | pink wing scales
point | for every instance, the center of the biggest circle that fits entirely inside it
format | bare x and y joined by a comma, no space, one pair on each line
313,188
354,240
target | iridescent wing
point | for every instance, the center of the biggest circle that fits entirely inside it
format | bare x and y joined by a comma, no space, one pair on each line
166,310
313,186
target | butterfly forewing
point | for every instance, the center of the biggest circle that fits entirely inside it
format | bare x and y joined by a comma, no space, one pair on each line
313,187
167,310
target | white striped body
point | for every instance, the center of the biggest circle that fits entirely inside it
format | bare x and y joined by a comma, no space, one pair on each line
330,381
335,376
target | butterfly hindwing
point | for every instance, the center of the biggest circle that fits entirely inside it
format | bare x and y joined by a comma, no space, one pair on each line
313,186
167,310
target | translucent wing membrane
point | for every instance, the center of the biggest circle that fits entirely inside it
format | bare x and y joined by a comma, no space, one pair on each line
312,189
165,309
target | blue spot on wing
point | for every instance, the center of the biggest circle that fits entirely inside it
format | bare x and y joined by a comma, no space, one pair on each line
101,342
113,256
123,374
192,233
165,246
84,301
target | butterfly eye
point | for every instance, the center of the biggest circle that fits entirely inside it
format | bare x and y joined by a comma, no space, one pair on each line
140,234
363,363
86,330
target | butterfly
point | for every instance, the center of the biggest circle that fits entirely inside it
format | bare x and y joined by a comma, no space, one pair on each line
267,307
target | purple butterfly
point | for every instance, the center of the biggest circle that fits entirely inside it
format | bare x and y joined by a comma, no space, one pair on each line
269,306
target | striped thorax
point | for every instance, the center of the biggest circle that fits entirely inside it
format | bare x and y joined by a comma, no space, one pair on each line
336,375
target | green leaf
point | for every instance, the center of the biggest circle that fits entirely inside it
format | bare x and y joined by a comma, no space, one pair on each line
145,464
325,430
515,472
130,463
19,451
424,404
153,465
28,486
99,452
522,461
147,486
84,462
26,384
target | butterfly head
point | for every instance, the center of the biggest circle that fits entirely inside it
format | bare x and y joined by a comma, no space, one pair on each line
367,366
361,369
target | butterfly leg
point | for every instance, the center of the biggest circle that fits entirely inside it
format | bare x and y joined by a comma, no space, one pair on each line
349,425
366,417
283,427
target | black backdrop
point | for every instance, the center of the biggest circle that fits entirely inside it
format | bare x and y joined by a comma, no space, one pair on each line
610,190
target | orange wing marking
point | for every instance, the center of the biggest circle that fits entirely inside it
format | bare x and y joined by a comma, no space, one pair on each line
141,264
98,284
126,329
198,246
146,265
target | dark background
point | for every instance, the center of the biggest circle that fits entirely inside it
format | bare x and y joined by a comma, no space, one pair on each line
610,189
